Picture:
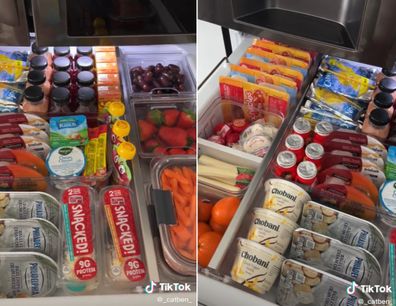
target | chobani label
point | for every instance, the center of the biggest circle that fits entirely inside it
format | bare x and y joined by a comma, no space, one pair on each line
271,229
255,266
121,221
285,198
330,255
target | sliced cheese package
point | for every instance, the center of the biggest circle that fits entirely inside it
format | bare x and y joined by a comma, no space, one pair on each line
256,97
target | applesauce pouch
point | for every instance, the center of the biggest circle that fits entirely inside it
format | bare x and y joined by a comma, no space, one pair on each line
258,77
270,46
273,58
273,69
257,98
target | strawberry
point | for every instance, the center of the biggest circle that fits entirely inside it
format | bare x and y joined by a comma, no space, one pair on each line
170,117
155,117
190,151
173,136
146,130
232,138
239,125
151,144
160,151
192,135
176,151
186,119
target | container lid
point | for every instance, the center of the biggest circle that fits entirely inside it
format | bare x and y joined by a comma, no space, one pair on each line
307,170
84,50
38,62
323,128
36,77
314,151
39,50
126,150
294,142
86,95
379,117
66,161
60,95
62,63
302,126
62,51
286,159
34,94
85,63
121,128
85,78
389,72
387,85
61,78
383,100
116,109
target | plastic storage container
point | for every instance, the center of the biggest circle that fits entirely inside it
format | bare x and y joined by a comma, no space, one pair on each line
146,59
143,107
166,212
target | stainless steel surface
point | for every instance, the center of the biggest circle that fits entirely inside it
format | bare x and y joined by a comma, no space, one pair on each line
13,24
50,21
362,30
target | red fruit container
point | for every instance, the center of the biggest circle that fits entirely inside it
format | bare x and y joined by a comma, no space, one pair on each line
162,133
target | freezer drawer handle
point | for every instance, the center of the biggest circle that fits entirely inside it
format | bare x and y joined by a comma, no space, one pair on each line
163,204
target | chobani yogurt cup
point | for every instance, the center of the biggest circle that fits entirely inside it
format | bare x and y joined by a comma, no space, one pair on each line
271,229
285,198
256,266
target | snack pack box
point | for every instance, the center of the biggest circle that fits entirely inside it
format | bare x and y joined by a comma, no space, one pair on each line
80,270
256,97
301,284
330,255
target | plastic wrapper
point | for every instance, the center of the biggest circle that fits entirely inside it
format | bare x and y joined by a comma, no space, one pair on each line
316,114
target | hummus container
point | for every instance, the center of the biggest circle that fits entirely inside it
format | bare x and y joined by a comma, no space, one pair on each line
26,205
27,274
123,258
31,235
80,256
285,198
335,257
271,229
301,284
256,266
348,229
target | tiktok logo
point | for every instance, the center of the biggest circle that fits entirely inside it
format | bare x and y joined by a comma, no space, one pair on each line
351,289
150,288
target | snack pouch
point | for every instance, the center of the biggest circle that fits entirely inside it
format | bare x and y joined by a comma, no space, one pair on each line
14,55
33,120
273,58
95,151
256,97
258,77
349,67
340,105
273,69
12,71
351,86
314,113
10,97
270,46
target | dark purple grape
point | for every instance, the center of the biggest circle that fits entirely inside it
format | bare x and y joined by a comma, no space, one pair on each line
151,68
181,79
156,84
147,87
181,87
135,88
164,81
159,68
148,76
137,69
174,68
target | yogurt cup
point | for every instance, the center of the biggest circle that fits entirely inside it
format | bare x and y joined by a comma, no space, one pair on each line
66,161
285,198
256,266
271,229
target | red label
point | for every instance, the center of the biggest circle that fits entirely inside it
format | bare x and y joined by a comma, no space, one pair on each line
121,221
134,270
85,268
7,156
231,92
6,178
13,118
78,204
8,128
11,142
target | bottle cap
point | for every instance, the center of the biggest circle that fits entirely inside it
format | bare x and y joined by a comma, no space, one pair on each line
387,85
379,117
61,78
61,51
62,63
36,77
34,94
121,128
383,100
60,95
38,50
116,109
38,62
84,50
126,150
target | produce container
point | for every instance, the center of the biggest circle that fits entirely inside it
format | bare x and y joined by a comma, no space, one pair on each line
166,213
144,107
165,58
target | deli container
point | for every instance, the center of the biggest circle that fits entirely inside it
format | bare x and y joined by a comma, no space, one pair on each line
143,107
165,58
166,212
223,111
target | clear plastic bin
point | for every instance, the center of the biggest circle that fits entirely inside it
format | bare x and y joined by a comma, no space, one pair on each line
165,58
141,110
173,257
223,110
